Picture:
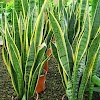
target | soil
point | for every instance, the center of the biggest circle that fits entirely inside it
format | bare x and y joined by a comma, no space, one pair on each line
54,88
6,88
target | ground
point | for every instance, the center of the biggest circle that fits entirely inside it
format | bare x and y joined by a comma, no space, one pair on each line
54,87
5,84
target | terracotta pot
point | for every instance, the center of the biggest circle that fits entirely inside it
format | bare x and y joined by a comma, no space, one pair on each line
49,52
41,84
46,67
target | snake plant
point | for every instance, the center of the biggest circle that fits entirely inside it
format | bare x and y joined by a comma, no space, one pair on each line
23,46
77,46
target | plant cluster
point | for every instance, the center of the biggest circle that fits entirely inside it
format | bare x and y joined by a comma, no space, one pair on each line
77,46
24,46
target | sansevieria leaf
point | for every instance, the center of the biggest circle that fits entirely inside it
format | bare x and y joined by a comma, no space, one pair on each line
38,28
92,54
24,6
96,20
70,51
60,41
10,69
29,63
96,80
15,59
16,66
16,34
80,51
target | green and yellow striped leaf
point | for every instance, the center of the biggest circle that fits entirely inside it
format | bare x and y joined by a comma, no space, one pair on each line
38,29
95,20
92,55
61,45
10,70
29,64
15,60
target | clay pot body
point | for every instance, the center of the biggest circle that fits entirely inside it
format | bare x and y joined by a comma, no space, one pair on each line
49,52
46,67
41,84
